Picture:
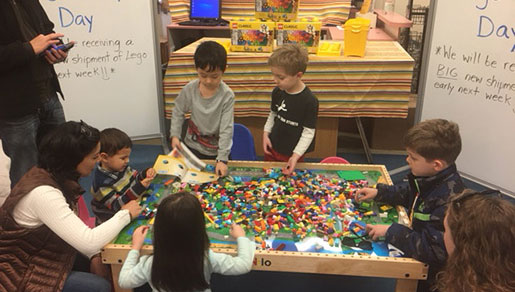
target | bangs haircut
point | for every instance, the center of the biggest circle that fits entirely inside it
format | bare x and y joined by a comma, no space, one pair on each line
293,58
61,150
113,140
482,227
180,244
209,56
435,139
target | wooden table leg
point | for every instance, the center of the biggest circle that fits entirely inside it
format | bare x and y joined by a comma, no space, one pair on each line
405,285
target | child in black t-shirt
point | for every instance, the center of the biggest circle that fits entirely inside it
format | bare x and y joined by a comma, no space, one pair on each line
290,128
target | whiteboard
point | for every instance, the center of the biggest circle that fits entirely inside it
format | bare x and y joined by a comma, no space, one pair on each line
110,78
469,78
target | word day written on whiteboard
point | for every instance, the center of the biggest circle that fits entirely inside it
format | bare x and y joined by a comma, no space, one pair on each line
471,80
110,78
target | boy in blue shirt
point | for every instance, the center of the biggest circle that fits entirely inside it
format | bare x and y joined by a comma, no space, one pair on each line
432,146
211,104
290,128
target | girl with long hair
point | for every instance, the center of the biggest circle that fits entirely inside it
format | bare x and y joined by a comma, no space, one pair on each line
182,260
479,237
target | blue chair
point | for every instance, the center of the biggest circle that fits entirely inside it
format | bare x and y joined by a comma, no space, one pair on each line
242,144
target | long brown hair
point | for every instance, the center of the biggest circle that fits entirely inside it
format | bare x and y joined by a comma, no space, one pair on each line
483,230
180,244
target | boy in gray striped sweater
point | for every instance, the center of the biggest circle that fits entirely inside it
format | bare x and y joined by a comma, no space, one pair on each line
115,183
211,104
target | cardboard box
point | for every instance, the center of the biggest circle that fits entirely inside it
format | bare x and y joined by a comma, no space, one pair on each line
252,36
277,10
305,33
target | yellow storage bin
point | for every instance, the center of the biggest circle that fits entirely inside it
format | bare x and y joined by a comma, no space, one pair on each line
355,36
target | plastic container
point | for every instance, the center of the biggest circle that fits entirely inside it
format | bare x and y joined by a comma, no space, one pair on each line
330,48
355,36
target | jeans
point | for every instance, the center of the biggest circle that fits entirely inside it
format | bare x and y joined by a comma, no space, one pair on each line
21,135
85,282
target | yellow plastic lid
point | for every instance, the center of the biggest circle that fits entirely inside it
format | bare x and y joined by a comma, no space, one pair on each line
357,22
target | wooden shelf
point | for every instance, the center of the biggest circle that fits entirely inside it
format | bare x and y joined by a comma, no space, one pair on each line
391,22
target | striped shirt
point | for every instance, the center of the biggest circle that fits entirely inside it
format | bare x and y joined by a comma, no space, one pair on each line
112,190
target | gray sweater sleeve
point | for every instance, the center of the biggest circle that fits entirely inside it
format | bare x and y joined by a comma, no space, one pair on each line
226,127
181,105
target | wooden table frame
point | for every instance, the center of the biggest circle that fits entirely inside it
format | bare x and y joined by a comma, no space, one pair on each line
406,271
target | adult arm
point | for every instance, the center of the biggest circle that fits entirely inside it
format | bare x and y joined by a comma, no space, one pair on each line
135,270
14,55
46,205
19,53
226,127
229,265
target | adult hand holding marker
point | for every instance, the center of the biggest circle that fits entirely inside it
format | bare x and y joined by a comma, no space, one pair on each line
51,47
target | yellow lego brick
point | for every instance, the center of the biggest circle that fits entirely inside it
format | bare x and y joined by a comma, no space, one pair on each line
330,48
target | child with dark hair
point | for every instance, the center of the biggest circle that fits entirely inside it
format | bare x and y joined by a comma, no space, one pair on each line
289,131
432,146
114,182
211,104
182,260
479,236
40,232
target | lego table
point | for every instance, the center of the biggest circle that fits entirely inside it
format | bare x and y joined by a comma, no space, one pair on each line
406,271
377,85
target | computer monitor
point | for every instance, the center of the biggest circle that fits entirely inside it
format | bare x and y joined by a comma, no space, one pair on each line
205,10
